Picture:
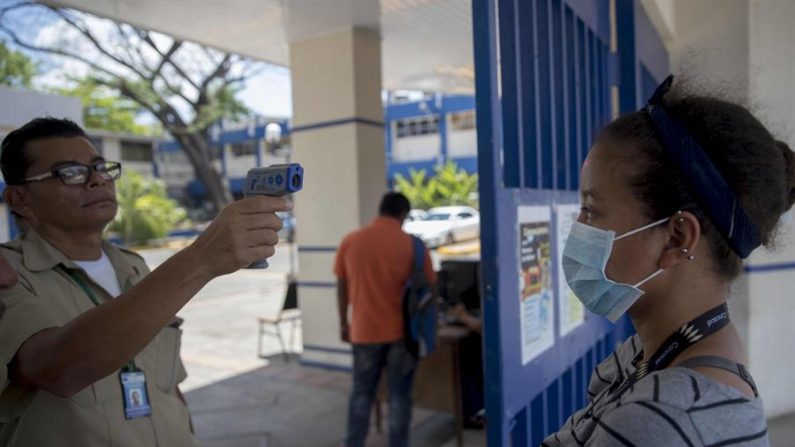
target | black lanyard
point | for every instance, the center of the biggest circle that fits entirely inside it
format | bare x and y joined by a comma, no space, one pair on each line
689,334
129,366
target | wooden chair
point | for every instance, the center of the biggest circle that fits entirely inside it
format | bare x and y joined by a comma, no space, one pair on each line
289,313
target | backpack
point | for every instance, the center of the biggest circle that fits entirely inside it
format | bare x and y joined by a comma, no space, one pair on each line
419,309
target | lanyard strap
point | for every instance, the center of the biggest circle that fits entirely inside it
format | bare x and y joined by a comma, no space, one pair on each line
689,334
129,366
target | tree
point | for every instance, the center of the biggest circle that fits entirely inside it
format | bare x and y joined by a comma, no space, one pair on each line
16,69
145,212
104,110
187,87
449,186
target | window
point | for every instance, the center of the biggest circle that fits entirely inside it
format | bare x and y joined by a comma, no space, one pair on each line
401,129
136,151
412,127
244,148
463,120
464,215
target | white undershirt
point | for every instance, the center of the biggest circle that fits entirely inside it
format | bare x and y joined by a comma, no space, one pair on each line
101,272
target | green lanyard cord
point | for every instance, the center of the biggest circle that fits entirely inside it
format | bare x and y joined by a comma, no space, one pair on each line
129,366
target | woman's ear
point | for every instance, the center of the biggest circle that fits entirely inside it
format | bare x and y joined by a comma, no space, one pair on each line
684,233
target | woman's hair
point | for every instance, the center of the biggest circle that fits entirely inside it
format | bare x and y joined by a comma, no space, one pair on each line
759,169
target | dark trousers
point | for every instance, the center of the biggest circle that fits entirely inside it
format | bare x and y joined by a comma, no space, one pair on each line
368,362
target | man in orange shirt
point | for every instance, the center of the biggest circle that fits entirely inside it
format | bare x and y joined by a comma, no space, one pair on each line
373,265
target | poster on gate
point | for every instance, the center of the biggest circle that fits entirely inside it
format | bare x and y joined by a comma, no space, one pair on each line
572,312
536,303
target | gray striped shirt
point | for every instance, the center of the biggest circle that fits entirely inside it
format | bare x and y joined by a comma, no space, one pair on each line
668,408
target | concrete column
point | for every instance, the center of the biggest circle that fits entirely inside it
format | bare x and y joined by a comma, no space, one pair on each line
338,137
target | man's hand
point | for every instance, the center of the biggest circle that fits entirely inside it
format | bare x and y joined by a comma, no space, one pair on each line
243,232
345,333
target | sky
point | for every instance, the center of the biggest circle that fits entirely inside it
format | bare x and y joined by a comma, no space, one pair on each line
268,93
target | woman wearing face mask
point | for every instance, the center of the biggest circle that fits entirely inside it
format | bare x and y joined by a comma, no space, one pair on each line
673,198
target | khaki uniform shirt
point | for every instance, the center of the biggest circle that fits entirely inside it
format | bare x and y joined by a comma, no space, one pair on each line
47,297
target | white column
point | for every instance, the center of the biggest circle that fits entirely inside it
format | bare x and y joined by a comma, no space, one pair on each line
338,137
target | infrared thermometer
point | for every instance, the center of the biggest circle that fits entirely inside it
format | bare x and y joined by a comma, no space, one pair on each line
274,181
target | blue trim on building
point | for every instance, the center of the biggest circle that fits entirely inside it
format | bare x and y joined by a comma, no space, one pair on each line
222,149
416,109
334,123
404,168
168,146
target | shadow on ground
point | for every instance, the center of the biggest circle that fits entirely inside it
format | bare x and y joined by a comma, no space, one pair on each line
285,404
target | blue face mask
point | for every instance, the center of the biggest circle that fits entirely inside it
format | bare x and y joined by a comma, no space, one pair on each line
584,260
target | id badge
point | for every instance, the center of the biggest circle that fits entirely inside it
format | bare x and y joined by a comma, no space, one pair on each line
136,399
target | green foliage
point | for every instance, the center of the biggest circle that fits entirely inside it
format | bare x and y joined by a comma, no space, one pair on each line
104,109
449,186
16,69
222,103
145,212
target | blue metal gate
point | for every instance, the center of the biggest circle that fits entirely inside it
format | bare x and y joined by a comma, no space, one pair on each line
543,90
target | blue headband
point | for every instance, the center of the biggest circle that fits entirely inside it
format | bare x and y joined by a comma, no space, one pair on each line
705,181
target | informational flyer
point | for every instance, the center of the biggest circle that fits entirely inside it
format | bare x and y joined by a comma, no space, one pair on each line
536,303
572,312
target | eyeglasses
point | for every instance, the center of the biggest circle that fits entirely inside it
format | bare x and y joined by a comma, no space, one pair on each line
79,174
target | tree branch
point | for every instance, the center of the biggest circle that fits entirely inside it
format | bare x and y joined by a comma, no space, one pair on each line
220,71
88,35
125,32
15,38
164,57
10,8
170,60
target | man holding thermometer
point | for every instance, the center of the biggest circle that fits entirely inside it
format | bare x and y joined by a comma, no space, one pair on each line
85,325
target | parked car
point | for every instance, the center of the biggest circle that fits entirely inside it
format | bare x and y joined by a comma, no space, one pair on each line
415,215
446,225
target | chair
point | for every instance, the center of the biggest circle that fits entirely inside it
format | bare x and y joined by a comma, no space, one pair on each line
289,313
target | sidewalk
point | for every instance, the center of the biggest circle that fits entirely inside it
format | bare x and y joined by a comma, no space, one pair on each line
240,400
288,405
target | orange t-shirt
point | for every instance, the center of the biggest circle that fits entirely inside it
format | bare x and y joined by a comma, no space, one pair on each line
376,262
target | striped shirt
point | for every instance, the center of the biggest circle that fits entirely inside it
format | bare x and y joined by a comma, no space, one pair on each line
668,408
